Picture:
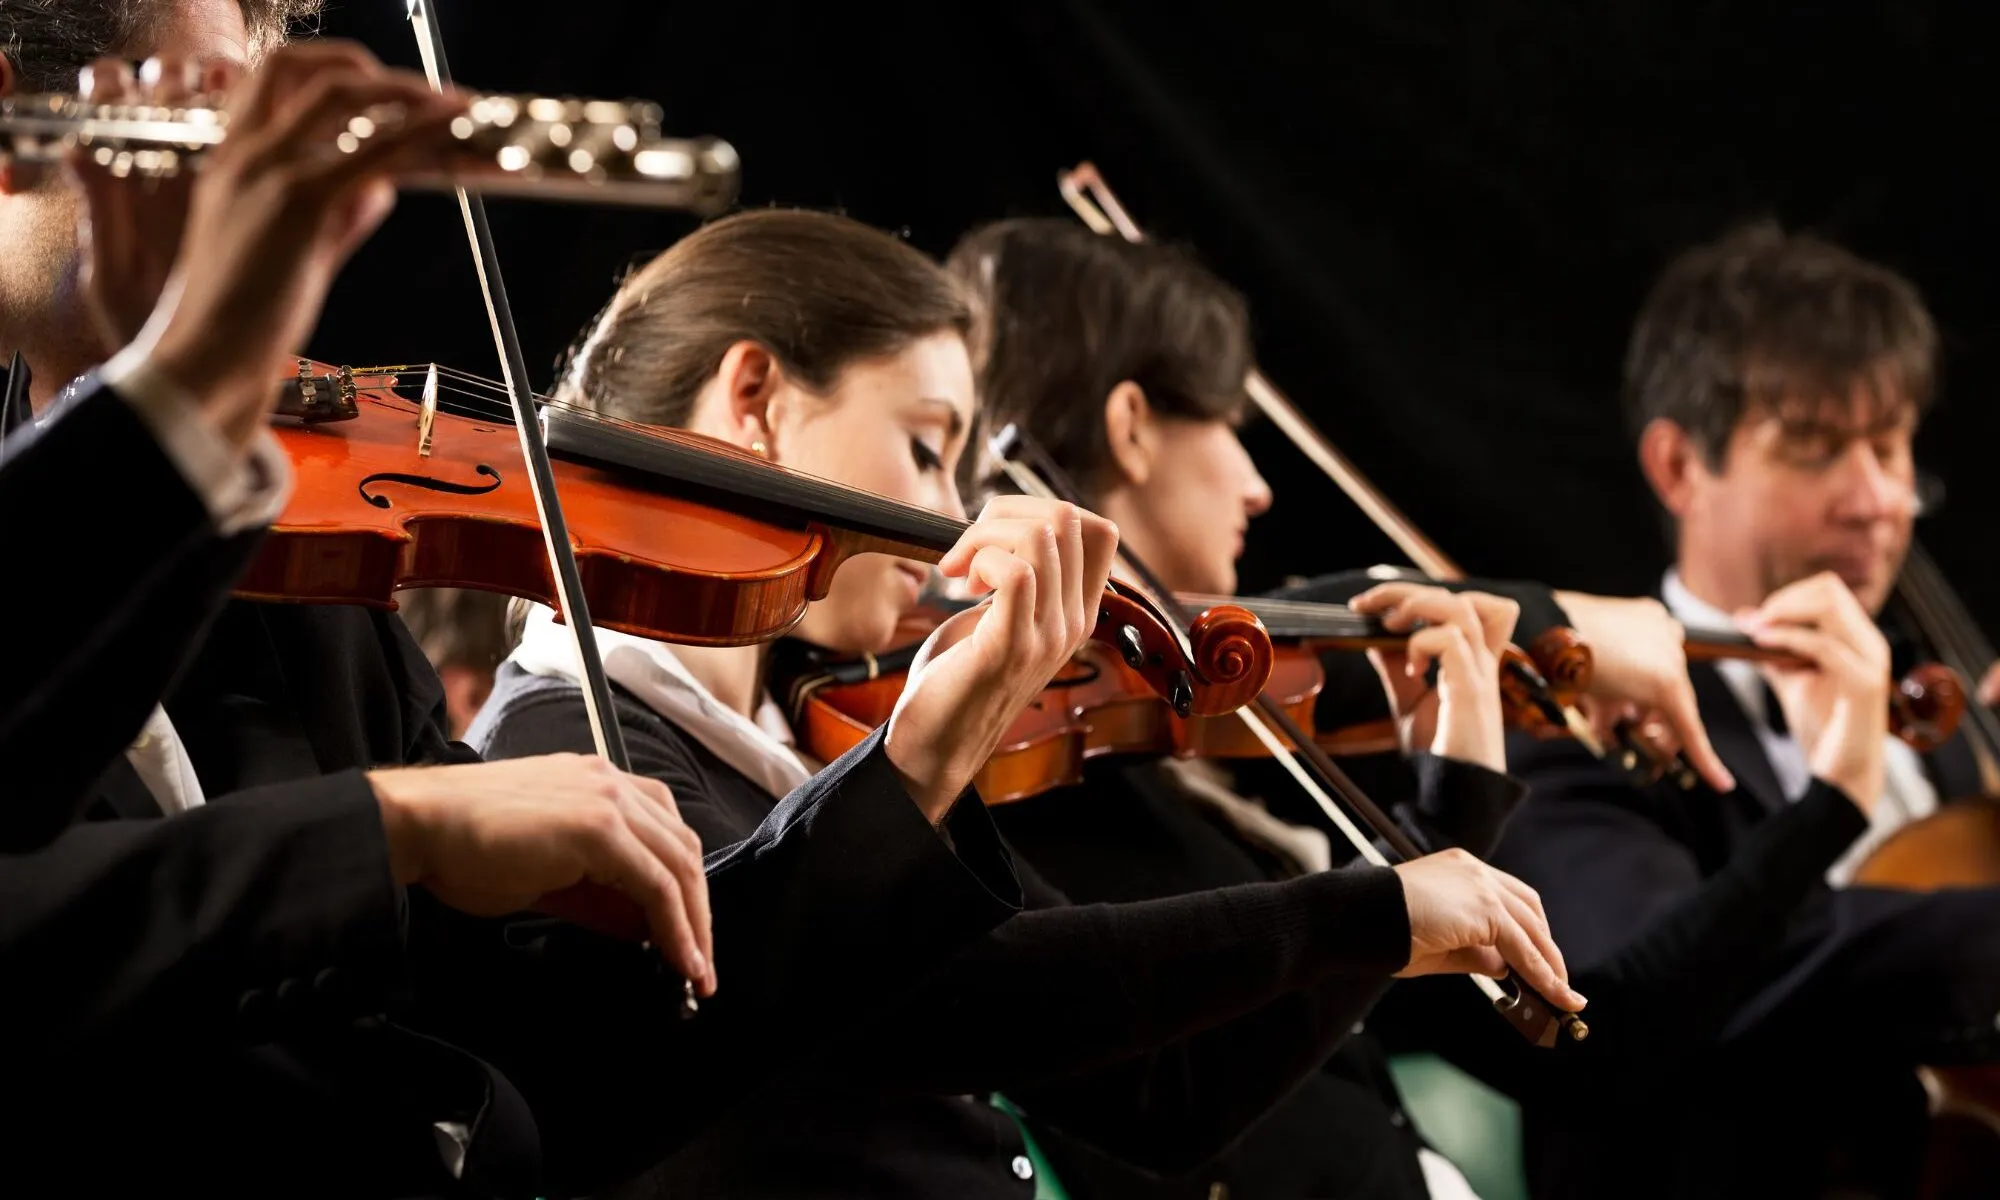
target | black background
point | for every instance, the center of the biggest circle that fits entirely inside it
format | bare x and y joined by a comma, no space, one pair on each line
1444,215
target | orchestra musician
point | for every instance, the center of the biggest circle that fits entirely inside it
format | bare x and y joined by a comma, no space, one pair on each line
1062,313
236,973
1157,1030
1774,382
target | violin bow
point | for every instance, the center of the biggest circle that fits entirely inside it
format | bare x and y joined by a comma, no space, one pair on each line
1090,197
1036,474
604,729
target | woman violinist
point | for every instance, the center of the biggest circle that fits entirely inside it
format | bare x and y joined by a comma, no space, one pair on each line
1160,348
1156,1030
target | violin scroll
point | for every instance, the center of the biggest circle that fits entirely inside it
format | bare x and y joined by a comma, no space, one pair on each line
1228,661
1926,706
1565,660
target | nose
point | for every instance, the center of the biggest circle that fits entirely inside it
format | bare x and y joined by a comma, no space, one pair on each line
1256,492
1874,490
951,504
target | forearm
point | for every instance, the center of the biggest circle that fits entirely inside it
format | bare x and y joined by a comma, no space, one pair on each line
1060,990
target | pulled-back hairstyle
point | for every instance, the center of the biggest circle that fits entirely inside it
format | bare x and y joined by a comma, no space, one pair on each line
819,291
1062,315
49,41
1760,318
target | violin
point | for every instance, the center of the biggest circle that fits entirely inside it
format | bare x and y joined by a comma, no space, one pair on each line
1924,707
1536,685
676,536
1099,706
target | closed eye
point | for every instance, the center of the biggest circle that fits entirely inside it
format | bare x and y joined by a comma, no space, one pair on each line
927,458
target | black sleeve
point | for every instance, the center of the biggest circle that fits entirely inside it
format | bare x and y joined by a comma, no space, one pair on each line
1458,804
830,909
134,604
1673,956
194,926
1159,1029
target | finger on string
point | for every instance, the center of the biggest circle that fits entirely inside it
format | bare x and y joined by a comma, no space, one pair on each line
1377,598
1498,617
1013,586
1008,533
1424,648
1069,545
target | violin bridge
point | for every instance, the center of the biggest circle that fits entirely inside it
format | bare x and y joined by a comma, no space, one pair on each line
427,416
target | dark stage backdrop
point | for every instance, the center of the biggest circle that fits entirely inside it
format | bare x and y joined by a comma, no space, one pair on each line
1444,215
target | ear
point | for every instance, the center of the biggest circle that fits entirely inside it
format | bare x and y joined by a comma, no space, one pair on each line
1670,459
748,379
1130,432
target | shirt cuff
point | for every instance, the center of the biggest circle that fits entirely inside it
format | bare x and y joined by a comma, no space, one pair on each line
240,490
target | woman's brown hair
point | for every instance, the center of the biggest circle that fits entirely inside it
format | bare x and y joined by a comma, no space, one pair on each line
819,291
1062,315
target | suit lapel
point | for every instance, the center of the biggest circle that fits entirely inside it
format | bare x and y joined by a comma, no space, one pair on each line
1735,738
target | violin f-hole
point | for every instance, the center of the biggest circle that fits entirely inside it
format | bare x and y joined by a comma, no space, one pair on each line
430,484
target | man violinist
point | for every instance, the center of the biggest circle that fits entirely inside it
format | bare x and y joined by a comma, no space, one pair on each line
1774,382
238,952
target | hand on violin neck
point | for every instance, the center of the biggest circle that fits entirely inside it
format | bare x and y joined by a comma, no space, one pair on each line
1639,673
1044,563
1989,687
1469,918
498,837
1837,705
229,267
1462,633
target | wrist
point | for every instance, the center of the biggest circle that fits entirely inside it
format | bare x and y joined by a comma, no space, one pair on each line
401,828
929,778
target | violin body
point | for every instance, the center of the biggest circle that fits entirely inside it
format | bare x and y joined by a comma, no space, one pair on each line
386,500
1099,707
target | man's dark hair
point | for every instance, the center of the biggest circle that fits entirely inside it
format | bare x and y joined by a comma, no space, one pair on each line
1062,315
49,41
1759,319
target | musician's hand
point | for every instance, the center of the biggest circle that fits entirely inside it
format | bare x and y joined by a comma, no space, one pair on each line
1989,687
129,229
1464,632
271,216
1639,671
1468,918
496,837
1045,563
1838,708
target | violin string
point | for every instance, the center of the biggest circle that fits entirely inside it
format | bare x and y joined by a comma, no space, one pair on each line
880,510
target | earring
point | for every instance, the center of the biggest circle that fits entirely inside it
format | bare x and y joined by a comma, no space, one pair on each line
760,450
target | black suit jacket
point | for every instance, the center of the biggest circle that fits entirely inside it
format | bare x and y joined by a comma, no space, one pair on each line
1795,1058
240,1000
121,571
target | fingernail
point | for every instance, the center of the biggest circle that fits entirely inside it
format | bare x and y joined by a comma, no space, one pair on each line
697,965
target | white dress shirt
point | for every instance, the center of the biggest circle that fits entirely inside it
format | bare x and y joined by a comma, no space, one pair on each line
1907,793
763,749
241,491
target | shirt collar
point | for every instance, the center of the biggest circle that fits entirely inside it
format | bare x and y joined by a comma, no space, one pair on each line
761,749
1689,609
